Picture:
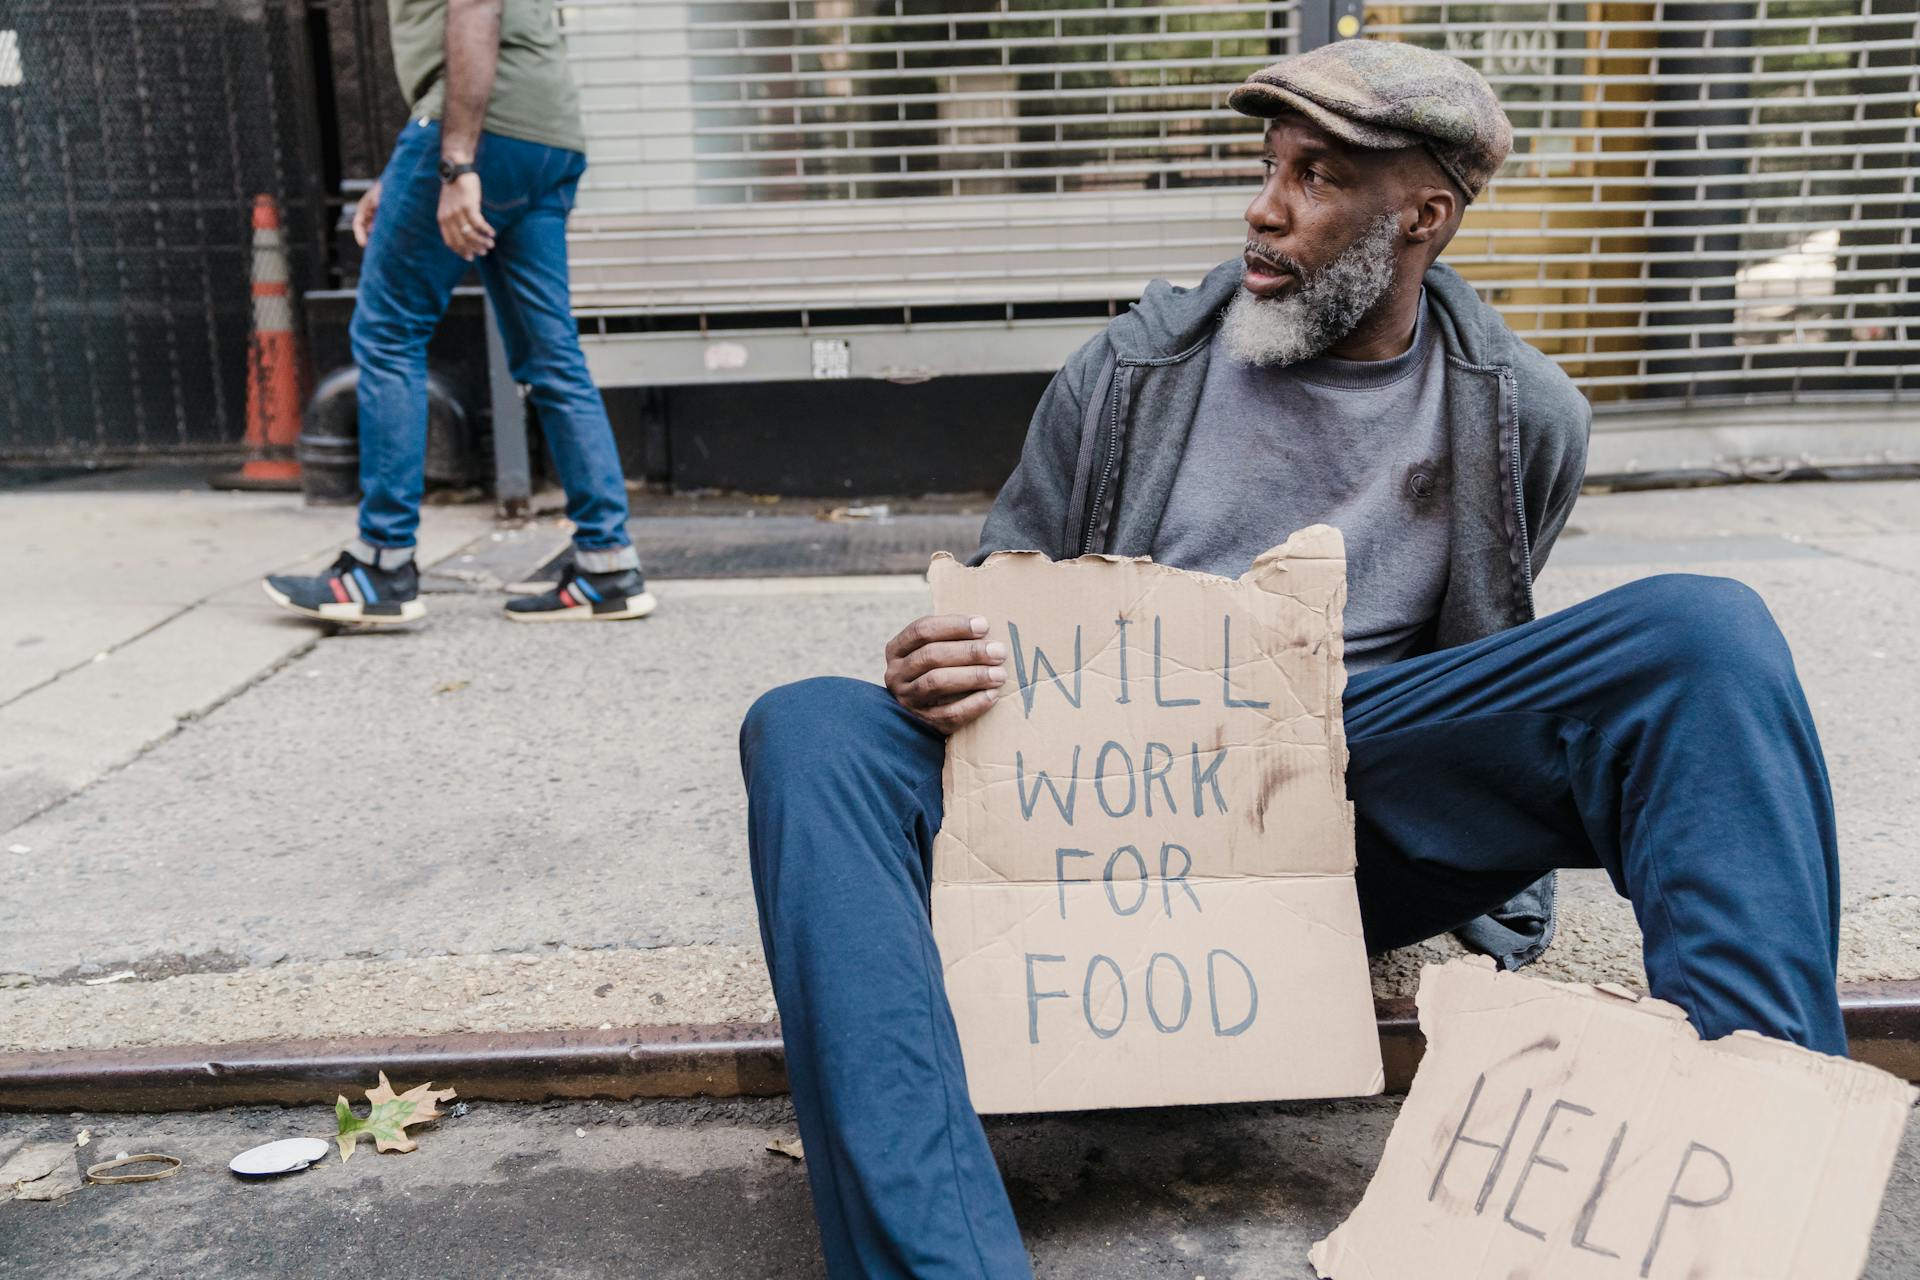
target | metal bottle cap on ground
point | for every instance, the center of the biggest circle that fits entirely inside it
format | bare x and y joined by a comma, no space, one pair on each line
288,1155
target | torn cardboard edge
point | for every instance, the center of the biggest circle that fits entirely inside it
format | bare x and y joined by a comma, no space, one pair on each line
1573,1130
1143,886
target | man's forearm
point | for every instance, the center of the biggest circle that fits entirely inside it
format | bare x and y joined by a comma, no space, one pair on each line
473,50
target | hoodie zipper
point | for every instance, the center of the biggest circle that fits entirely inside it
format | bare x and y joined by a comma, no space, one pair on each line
1526,571
1106,464
1519,499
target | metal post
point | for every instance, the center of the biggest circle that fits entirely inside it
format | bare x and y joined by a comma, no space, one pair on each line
512,466
1324,21
1700,234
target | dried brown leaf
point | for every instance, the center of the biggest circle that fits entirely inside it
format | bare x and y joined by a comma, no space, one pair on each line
391,1114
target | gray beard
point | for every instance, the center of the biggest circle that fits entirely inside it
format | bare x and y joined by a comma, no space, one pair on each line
1323,309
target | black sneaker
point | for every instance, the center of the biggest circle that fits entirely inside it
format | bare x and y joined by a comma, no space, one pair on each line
352,593
587,597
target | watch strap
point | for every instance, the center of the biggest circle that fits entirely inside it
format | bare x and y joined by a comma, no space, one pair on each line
452,172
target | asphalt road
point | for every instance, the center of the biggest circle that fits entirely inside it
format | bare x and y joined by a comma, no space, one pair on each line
688,1189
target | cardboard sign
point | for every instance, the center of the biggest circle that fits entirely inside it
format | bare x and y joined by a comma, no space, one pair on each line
1143,890
1574,1132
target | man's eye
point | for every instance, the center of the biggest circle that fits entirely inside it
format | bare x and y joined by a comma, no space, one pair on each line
1311,173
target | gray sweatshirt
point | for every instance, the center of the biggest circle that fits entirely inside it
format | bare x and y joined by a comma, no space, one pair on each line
1106,442
1357,444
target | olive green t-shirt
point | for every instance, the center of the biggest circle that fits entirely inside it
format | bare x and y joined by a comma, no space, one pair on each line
534,98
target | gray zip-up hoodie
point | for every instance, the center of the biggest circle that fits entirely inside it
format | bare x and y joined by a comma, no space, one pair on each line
1105,444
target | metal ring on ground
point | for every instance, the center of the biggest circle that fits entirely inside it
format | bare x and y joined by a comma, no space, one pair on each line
95,1172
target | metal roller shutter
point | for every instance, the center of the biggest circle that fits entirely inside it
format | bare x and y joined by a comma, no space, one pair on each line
1707,204
834,153
1707,201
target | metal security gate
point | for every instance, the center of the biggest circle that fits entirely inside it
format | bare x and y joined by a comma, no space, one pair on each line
934,187
134,135
1708,204
892,152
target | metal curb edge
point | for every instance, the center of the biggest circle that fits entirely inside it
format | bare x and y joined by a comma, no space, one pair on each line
718,1060
722,1060
1882,1020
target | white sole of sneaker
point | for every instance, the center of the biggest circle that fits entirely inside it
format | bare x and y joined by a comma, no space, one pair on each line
349,615
637,607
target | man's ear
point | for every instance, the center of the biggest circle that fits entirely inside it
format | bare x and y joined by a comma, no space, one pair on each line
1435,215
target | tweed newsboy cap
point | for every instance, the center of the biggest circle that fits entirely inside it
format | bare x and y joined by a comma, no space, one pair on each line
1385,95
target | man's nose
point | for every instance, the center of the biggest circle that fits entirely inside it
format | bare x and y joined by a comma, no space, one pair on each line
1266,215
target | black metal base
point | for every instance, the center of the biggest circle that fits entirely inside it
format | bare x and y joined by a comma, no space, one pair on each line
834,438
241,481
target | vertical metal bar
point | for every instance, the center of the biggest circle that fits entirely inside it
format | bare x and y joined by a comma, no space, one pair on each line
1320,22
236,207
1903,259
1712,237
129,390
43,304
1904,329
307,184
82,284
1316,24
512,464
162,250
1325,21
16,369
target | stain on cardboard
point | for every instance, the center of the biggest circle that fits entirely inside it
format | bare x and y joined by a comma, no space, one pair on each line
1275,776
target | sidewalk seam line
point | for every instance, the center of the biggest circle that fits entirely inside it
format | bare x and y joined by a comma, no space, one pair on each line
191,715
180,723
142,634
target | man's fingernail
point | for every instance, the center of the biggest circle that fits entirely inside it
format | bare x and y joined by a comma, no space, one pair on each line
997,675
979,626
996,652
992,694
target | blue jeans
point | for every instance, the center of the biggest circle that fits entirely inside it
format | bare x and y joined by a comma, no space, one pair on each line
1658,731
405,284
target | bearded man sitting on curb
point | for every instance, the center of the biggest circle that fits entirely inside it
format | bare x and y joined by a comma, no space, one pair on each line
1336,374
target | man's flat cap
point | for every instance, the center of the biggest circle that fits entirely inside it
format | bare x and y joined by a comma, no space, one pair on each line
1384,95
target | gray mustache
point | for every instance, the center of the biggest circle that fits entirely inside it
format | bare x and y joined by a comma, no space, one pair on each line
1259,254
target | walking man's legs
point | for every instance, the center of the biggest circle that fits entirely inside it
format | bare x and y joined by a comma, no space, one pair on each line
406,281
1658,731
526,277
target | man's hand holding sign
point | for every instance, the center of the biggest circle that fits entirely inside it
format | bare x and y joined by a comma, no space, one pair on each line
944,669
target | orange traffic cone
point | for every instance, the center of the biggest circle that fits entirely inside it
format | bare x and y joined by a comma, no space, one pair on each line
276,376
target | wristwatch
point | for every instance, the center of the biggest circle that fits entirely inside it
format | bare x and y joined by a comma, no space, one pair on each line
449,171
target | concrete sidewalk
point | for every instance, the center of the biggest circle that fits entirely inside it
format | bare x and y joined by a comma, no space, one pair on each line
476,826
134,606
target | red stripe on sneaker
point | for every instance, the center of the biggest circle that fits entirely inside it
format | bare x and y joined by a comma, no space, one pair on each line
339,591
566,599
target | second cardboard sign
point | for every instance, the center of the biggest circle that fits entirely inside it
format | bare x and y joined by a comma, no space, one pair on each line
1585,1133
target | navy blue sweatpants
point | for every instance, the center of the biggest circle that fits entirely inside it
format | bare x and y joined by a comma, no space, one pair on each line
1658,731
